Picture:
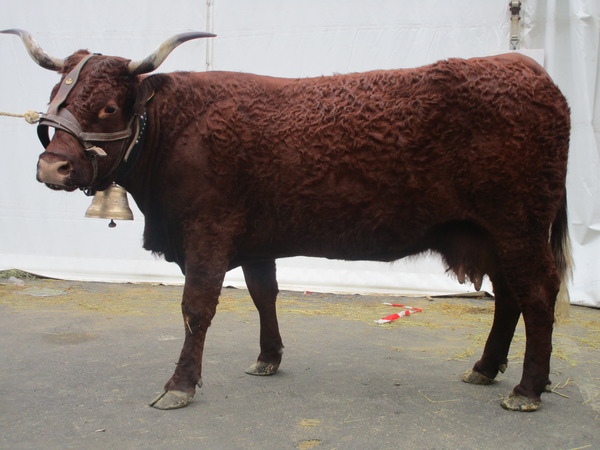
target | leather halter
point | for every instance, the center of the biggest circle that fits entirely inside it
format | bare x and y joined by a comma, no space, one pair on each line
60,118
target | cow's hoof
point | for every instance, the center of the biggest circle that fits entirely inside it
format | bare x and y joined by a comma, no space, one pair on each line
516,402
473,377
172,400
261,368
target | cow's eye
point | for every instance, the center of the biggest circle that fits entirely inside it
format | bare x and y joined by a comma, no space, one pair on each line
108,110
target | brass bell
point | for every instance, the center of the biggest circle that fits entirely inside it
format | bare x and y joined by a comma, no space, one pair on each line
110,204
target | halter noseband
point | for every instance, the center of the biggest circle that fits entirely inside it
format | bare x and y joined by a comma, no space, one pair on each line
61,118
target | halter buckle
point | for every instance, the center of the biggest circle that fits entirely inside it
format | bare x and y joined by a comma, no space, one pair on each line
95,152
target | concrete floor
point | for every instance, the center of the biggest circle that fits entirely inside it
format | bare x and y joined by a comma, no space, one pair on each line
81,362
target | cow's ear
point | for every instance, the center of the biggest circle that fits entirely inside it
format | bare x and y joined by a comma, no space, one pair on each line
146,90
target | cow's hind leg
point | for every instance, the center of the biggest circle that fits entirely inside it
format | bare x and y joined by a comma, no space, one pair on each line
537,301
262,285
469,251
530,277
495,353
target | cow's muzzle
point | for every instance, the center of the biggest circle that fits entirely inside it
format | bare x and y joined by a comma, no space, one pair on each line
55,174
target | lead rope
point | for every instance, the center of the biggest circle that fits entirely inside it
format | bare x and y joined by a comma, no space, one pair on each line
31,117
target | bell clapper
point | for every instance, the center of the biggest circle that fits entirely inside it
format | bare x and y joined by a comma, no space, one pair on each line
112,224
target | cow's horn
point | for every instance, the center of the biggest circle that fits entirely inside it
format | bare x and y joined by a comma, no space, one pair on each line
36,52
152,62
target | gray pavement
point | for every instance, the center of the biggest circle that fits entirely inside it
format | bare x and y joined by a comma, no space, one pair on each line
81,361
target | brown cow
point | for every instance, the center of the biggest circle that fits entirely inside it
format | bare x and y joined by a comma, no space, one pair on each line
466,158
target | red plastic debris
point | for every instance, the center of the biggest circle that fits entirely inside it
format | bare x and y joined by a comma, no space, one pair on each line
407,312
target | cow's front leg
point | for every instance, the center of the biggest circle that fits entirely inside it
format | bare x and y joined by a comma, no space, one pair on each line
200,298
262,285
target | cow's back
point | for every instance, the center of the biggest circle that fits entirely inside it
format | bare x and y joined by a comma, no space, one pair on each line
365,164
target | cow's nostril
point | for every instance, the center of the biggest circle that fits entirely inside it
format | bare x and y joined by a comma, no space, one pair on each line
64,168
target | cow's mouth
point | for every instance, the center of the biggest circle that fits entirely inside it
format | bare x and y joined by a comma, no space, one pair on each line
56,187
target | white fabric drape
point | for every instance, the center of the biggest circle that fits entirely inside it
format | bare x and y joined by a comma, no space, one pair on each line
45,232
570,31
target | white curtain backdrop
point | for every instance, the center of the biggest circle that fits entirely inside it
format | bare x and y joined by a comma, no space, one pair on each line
44,231
571,32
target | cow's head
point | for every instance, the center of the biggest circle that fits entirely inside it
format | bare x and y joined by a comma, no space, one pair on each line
96,113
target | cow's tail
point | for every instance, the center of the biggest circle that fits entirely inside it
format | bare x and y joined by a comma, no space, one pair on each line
561,248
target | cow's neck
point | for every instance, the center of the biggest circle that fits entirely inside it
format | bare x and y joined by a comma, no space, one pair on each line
137,173
145,182
142,177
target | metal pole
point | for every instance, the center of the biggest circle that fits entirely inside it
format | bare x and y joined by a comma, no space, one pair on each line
515,31
209,28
